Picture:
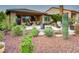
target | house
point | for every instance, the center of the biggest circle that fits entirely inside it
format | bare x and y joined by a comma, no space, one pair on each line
35,15
72,14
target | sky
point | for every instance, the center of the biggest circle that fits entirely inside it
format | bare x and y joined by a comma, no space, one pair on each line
38,7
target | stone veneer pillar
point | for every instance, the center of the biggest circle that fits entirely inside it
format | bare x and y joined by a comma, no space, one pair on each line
12,18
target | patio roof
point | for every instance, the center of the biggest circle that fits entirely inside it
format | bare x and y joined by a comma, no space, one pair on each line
27,12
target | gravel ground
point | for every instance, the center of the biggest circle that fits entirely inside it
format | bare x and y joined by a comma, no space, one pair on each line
43,44
12,44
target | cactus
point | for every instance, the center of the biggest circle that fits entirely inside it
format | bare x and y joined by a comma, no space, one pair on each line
65,26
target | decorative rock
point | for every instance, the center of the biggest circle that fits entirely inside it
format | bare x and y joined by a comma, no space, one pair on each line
58,35
41,33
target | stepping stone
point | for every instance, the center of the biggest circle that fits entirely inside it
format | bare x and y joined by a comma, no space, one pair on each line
41,33
58,35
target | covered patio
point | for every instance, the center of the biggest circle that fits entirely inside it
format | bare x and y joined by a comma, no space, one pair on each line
20,13
34,16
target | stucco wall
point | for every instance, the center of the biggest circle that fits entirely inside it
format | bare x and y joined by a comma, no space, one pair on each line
69,13
57,11
53,11
13,17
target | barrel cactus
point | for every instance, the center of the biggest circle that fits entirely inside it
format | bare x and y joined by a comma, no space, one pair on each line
65,26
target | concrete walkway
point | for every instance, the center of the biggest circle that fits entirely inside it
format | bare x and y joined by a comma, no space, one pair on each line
71,32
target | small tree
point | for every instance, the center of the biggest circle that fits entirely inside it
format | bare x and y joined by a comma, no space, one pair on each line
3,21
56,17
2,16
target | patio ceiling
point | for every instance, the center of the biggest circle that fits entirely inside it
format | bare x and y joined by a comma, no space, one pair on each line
25,12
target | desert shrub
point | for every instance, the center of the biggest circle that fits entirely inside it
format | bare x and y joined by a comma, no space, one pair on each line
2,26
1,46
35,32
17,30
14,24
48,31
2,16
1,36
23,25
26,45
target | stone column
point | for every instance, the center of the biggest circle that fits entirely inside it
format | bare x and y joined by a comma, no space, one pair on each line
12,18
43,19
38,19
21,20
42,25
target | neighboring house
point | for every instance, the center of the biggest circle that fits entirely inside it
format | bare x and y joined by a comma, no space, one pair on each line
72,14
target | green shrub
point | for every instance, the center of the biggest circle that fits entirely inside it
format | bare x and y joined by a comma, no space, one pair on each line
1,36
48,31
17,30
2,16
2,26
26,45
1,46
35,32
14,24
23,25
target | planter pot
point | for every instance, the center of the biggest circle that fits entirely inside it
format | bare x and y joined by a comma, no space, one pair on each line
3,48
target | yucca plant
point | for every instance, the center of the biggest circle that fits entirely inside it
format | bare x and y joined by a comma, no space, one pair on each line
65,26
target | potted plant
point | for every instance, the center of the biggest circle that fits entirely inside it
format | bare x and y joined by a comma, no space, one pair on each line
2,44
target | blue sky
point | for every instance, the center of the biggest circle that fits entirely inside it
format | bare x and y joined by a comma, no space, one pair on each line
38,7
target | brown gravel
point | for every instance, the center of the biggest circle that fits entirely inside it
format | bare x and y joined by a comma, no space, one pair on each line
43,44
12,44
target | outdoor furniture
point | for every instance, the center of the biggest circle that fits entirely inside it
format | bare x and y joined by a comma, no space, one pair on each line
42,26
